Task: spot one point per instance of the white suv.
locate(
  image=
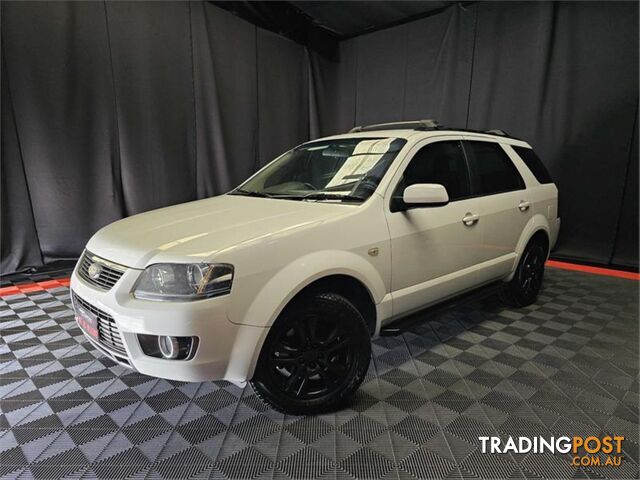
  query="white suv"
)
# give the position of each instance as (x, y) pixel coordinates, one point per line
(284, 280)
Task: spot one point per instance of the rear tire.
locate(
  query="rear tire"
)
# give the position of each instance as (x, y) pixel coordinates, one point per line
(523, 288)
(315, 356)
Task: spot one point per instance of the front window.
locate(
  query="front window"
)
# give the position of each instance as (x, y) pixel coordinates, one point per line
(440, 162)
(342, 170)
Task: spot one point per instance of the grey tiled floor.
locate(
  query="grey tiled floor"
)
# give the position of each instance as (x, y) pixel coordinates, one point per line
(566, 365)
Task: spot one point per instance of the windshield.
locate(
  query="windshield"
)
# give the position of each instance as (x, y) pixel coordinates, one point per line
(343, 170)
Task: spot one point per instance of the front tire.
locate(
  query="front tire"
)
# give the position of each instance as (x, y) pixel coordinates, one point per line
(523, 288)
(315, 356)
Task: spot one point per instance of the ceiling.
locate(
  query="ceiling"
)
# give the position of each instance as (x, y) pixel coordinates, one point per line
(321, 25)
(352, 18)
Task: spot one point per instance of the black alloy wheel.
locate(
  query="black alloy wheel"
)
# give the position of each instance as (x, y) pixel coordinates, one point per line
(532, 271)
(315, 356)
(311, 357)
(523, 289)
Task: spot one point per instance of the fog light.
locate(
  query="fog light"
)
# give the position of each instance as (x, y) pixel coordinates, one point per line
(170, 348)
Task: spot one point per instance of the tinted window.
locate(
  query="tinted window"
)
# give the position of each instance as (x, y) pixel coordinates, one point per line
(441, 162)
(493, 170)
(534, 163)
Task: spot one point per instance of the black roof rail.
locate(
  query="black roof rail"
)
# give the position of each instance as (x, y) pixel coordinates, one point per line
(428, 124)
(424, 125)
(496, 131)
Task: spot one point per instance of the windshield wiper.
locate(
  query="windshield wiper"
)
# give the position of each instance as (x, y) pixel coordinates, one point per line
(331, 196)
(250, 193)
(308, 196)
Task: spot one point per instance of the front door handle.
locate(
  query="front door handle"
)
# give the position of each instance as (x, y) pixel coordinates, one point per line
(524, 205)
(470, 219)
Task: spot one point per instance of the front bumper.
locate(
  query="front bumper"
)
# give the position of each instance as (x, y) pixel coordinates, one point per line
(226, 351)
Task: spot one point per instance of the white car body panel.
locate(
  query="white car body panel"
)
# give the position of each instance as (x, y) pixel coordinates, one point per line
(196, 231)
(431, 247)
(431, 244)
(406, 260)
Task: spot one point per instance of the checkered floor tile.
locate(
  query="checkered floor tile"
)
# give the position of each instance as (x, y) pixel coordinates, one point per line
(567, 365)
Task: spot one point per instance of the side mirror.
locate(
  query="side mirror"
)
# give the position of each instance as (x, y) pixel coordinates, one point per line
(425, 195)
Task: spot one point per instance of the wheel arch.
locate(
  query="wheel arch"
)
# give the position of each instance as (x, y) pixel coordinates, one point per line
(350, 288)
(309, 272)
(537, 227)
(306, 271)
(543, 236)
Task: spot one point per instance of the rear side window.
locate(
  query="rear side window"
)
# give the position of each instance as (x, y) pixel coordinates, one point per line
(534, 163)
(492, 169)
(440, 162)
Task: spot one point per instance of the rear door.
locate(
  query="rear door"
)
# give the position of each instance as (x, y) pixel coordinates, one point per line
(504, 206)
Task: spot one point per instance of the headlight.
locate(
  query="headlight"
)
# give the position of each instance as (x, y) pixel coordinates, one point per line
(184, 282)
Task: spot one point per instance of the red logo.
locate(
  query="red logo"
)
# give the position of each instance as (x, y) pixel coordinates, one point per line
(86, 326)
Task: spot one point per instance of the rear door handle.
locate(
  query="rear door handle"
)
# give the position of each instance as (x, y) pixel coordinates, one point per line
(524, 205)
(470, 219)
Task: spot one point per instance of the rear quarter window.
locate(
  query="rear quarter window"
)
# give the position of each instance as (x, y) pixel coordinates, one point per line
(492, 169)
(533, 162)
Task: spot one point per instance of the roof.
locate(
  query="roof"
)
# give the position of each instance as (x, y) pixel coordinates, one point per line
(415, 135)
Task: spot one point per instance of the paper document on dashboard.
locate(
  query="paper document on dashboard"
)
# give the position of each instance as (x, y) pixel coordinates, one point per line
(363, 158)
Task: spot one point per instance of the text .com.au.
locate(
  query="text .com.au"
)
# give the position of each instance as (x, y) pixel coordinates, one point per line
(586, 451)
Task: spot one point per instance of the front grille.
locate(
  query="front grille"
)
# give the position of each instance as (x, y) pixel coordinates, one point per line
(108, 333)
(109, 272)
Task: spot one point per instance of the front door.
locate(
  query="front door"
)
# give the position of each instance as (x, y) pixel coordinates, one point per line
(434, 249)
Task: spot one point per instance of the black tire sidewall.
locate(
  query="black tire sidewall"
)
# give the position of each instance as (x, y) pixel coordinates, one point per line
(326, 304)
(518, 295)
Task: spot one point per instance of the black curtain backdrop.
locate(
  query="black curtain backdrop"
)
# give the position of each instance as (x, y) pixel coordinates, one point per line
(114, 108)
(563, 76)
